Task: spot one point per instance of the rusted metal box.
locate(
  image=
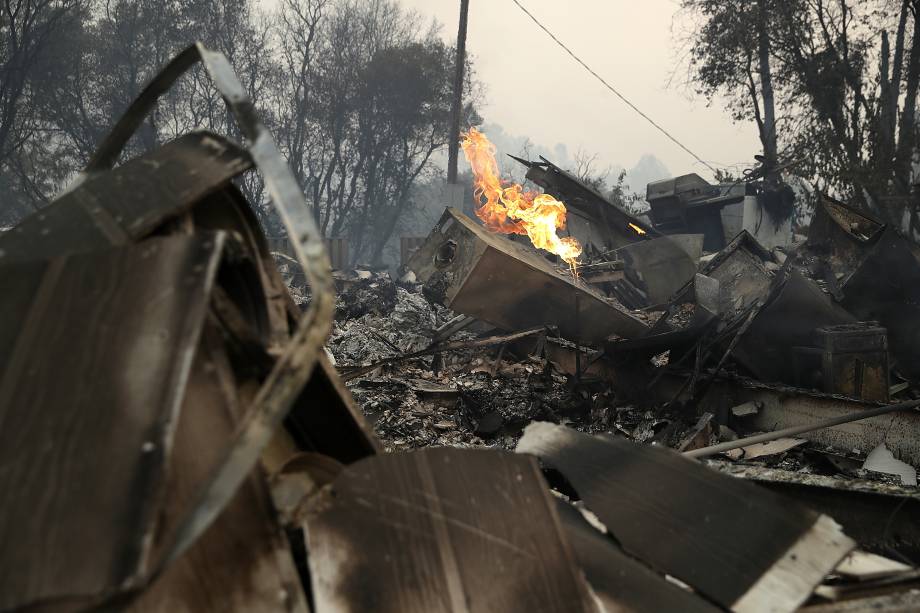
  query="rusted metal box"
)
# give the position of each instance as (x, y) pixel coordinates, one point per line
(854, 360)
(485, 275)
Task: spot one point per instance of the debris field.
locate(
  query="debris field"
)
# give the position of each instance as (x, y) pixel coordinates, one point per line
(710, 412)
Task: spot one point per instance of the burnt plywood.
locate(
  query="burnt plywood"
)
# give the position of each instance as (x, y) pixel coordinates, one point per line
(94, 362)
(442, 530)
(694, 524)
(509, 285)
(621, 582)
(117, 207)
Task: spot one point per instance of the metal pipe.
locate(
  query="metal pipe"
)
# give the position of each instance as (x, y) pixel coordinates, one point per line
(827, 423)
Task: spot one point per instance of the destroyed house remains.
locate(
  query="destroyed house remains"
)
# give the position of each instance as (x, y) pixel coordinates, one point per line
(712, 414)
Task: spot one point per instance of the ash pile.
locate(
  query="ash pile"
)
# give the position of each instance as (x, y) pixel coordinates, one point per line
(425, 376)
(188, 426)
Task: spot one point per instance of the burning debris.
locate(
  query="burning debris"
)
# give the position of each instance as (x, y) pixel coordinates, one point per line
(489, 432)
(508, 209)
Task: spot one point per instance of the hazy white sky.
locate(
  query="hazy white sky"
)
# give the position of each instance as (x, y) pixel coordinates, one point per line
(534, 89)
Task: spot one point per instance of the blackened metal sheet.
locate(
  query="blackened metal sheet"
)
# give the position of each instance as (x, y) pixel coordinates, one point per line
(739, 269)
(621, 582)
(442, 530)
(881, 517)
(730, 543)
(242, 562)
(94, 364)
(127, 203)
(886, 288)
(797, 307)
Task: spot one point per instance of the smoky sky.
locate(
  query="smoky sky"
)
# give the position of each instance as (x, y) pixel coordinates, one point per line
(532, 88)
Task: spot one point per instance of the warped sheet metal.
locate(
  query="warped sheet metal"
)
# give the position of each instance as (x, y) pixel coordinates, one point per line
(487, 276)
(789, 320)
(881, 517)
(661, 266)
(642, 492)
(448, 523)
(873, 272)
(298, 356)
(96, 349)
(243, 561)
(99, 343)
(622, 583)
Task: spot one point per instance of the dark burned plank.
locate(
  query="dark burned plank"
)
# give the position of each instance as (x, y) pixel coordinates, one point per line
(243, 561)
(621, 582)
(442, 530)
(744, 548)
(116, 207)
(92, 377)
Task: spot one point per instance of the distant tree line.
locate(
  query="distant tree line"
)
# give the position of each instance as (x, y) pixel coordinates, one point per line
(357, 93)
(831, 85)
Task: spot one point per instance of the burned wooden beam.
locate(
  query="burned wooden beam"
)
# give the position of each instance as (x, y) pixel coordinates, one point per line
(441, 530)
(642, 493)
(484, 275)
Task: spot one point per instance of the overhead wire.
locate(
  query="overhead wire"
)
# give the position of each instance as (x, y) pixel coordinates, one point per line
(612, 88)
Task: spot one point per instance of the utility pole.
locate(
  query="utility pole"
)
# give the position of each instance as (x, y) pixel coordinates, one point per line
(457, 107)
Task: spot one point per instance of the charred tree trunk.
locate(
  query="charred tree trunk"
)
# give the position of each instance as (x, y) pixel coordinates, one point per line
(907, 128)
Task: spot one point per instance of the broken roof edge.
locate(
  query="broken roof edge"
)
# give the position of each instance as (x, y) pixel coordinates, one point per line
(547, 166)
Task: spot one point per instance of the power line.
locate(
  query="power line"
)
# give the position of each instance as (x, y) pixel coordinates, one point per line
(612, 88)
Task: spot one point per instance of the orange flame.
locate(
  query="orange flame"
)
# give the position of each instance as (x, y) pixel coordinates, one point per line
(637, 228)
(505, 207)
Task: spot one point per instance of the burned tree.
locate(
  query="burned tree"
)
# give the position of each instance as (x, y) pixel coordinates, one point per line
(843, 79)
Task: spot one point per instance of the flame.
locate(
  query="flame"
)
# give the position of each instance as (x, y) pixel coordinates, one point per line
(505, 207)
(637, 228)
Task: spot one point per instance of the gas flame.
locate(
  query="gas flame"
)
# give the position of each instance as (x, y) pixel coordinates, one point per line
(505, 207)
(637, 229)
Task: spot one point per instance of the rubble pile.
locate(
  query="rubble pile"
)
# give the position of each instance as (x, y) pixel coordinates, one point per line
(464, 397)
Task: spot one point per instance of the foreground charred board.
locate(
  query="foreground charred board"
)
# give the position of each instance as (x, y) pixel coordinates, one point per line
(485, 275)
(622, 583)
(694, 524)
(442, 530)
(95, 350)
